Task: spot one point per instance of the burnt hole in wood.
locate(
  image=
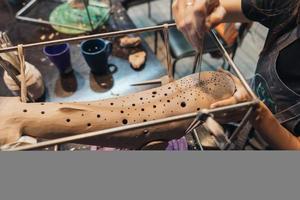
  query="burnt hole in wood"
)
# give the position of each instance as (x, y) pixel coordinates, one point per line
(98, 116)
(133, 104)
(183, 104)
(125, 121)
(154, 106)
(42, 104)
(168, 101)
(122, 111)
(153, 96)
(111, 103)
(68, 120)
(82, 115)
(141, 98)
(198, 109)
(142, 109)
(43, 112)
(24, 110)
(89, 124)
(144, 120)
(169, 88)
(154, 92)
(166, 94)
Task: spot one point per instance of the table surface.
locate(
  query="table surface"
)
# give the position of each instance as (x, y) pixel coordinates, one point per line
(82, 85)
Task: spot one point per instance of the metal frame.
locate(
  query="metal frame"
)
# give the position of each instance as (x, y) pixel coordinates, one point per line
(219, 112)
(30, 4)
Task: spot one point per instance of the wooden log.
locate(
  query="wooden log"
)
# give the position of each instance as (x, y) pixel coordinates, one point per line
(56, 120)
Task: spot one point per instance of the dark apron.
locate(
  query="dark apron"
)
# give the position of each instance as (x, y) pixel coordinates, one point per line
(281, 100)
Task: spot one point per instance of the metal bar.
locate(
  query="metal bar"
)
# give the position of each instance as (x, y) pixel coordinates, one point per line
(86, 4)
(242, 124)
(40, 21)
(28, 5)
(81, 38)
(232, 64)
(238, 131)
(14, 77)
(129, 127)
(197, 140)
(166, 42)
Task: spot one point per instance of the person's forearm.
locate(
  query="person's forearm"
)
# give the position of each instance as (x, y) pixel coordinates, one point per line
(273, 132)
(234, 11)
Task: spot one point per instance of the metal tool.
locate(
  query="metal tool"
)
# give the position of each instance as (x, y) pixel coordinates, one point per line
(205, 119)
(86, 4)
(150, 82)
(198, 121)
(160, 81)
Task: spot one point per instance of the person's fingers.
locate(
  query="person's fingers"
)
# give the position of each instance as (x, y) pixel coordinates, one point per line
(230, 101)
(191, 28)
(211, 5)
(177, 14)
(215, 17)
(198, 22)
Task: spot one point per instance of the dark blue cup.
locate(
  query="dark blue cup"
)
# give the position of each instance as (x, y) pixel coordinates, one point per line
(60, 56)
(96, 53)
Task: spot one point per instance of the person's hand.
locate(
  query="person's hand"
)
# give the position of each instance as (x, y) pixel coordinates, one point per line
(195, 17)
(240, 95)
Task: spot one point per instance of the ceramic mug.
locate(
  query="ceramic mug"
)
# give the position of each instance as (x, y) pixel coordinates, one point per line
(60, 56)
(96, 53)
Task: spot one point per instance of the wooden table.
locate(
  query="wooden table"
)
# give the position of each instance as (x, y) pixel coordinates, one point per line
(82, 85)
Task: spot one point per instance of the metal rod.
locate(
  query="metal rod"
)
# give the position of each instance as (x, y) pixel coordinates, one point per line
(14, 77)
(86, 4)
(81, 38)
(129, 127)
(40, 21)
(238, 133)
(28, 5)
(197, 140)
(166, 42)
(231, 63)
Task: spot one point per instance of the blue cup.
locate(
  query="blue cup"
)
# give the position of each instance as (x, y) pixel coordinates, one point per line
(60, 56)
(96, 53)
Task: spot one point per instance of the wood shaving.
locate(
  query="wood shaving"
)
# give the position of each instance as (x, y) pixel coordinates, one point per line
(137, 60)
(130, 41)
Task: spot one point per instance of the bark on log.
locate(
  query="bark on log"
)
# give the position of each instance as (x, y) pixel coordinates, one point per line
(56, 120)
